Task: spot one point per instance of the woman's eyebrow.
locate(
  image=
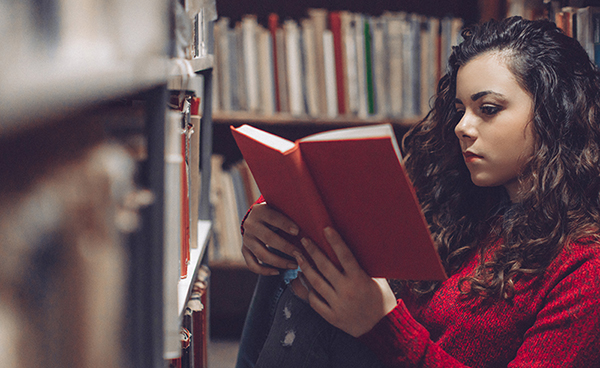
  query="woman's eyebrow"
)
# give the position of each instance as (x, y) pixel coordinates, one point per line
(478, 95)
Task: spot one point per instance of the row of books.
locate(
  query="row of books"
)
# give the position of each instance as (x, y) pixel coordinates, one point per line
(232, 192)
(582, 24)
(194, 326)
(332, 63)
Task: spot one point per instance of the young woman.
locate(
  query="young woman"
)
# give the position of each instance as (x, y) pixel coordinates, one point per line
(507, 170)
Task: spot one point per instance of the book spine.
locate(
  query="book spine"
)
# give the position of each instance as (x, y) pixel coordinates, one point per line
(249, 25)
(273, 24)
(380, 71)
(294, 71)
(265, 64)
(330, 74)
(282, 68)
(394, 47)
(319, 18)
(335, 24)
(415, 65)
(224, 60)
(369, 69)
(359, 37)
(596, 37)
(310, 67)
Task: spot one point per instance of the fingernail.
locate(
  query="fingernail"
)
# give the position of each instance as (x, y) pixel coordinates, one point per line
(292, 266)
(298, 257)
(294, 230)
(304, 242)
(274, 273)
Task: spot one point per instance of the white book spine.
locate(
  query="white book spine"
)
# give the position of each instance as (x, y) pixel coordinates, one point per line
(294, 64)
(249, 25)
(359, 36)
(414, 23)
(407, 51)
(380, 69)
(432, 80)
(224, 60)
(282, 70)
(267, 90)
(310, 64)
(330, 79)
(394, 26)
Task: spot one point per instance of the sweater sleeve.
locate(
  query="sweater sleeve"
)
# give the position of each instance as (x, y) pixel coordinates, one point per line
(563, 334)
(400, 341)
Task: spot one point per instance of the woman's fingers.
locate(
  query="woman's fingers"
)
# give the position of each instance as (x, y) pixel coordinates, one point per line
(317, 282)
(254, 265)
(325, 267)
(265, 214)
(341, 250)
(263, 255)
(264, 223)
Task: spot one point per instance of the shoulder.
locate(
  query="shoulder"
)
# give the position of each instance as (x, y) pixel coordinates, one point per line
(578, 252)
(578, 264)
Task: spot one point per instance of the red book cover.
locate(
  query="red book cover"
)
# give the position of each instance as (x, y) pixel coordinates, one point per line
(354, 180)
(335, 25)
(185, 211)
(273, 22)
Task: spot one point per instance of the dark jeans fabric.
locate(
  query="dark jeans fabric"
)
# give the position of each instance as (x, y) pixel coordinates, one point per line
(298, 337)
(260, 314)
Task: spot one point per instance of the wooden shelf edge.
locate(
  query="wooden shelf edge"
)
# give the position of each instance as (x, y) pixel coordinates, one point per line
(31, 97)
(236, 118)
(202, 63)
(184, 288)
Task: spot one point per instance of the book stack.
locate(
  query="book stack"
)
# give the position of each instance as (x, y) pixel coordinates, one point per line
(583, 24)
(232, 191)
(332, 64)
(194, 326)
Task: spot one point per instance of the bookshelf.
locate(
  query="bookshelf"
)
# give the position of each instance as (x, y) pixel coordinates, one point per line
(91, 265)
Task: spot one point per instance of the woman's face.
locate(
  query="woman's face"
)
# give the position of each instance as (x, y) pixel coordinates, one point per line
(495, 133)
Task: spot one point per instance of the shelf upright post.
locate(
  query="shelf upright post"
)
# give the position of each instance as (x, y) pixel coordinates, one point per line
(206, 131)
(145, 330)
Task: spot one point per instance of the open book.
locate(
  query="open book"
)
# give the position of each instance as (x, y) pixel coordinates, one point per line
(353, 180)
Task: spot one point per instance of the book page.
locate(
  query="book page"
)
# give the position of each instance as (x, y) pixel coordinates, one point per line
(363, 132)
(268, 139)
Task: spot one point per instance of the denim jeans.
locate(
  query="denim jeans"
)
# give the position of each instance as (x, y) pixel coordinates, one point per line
(260, 315)
(298, 337)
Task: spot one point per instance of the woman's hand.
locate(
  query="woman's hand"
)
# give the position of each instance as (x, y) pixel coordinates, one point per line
(348, 299)
(260, 234)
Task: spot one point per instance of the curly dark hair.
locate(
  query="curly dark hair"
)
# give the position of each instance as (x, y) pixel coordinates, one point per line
(560, 191)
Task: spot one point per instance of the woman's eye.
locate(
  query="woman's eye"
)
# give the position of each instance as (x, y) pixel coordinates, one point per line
(459, 111)
(489, 109)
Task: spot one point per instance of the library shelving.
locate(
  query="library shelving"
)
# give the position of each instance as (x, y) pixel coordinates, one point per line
(92, 273)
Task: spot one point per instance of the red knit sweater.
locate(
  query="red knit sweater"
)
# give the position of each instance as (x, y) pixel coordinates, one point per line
(552, 321)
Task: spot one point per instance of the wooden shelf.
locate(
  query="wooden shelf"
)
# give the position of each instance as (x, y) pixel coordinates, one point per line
(34, 93)
(202, 63)
(238, 118)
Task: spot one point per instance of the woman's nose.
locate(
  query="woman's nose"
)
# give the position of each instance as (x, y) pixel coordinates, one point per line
(465, 129)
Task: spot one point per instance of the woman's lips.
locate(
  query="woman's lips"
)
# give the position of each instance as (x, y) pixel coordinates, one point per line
(470, 156)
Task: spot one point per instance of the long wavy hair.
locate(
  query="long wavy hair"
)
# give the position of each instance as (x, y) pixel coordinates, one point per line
(560, 191)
